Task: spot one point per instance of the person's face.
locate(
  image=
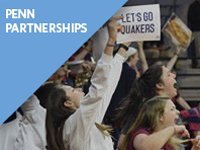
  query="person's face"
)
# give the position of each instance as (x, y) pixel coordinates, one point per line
(74, 94)
(170, 115)
(168, 83)
(134, 60)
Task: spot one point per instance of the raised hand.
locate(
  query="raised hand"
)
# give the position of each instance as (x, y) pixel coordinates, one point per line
(140, 44)
(113, 28)
(196, 143)
(181, 130)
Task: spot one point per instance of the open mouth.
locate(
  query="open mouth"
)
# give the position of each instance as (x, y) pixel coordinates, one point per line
(175, 86)
(176, 121)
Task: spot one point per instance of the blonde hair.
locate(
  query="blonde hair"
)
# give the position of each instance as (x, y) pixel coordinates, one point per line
(148, 118)
(104, 129)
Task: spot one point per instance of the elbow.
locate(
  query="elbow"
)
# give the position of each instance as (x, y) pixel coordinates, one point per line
(150, 146)
(146, 147)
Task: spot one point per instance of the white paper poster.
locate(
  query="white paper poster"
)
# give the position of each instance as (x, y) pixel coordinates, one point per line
(139, 23)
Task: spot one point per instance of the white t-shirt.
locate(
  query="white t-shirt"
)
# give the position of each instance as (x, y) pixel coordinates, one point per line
(80, 130)
(26, 132)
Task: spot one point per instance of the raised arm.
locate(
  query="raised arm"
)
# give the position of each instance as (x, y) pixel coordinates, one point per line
(142, 56)
(113, 28)
(173, 60)
(85, 51)
(116, 67)
(183, 103)
(94, 104)
(158, 139)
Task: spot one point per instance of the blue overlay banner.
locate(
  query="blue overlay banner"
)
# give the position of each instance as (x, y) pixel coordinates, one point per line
(37, 37)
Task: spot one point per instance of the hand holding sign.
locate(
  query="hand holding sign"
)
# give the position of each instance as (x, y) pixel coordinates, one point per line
(113, 28)
(178, 32)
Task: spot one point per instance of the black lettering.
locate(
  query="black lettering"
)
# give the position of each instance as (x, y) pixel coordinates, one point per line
(150, 16)
(123, 18)
(142, 28)
(147, 28)
(123, 30)
(133, 17)
(128, 18)
(137, 28)
(145, 16)
(152, 28)
(133, 29)
(139, 18)
(128, 29)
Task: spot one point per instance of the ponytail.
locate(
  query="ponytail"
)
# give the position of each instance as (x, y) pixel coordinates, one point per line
(130, 104)
(56, 116)
(143, 88)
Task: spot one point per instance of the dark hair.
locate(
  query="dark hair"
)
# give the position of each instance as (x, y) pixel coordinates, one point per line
(143, 88)
(56, 116)
(43, 92)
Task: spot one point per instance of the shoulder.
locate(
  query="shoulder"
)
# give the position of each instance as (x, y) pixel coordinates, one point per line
(127, 69)
(139, 136)
(140, 131)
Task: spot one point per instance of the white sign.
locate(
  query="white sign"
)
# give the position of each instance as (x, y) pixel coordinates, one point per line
(139, 23)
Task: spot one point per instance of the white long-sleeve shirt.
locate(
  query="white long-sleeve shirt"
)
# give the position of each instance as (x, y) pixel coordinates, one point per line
(79, 129)
(26, 132)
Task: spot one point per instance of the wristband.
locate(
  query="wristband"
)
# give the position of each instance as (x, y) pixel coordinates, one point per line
(110, 45)
(123, 46)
